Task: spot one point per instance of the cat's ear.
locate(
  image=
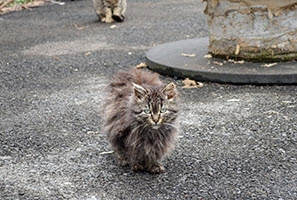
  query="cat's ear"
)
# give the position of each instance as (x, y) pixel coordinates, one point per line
(170, 91)
(139, 92)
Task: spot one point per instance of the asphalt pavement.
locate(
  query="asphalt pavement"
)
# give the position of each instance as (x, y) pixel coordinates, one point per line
(236, 141)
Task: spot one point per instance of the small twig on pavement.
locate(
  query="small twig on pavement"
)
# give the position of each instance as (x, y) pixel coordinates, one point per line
(188, 55)
(233, 100)
(106, 152)
(79, 27)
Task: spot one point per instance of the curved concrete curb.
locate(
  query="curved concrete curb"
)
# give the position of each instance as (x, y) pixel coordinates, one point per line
(186, 59)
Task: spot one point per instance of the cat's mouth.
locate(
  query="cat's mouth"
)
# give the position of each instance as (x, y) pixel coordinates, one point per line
(155, 126)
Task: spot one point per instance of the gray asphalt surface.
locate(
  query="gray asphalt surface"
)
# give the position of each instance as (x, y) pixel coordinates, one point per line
(237, 142)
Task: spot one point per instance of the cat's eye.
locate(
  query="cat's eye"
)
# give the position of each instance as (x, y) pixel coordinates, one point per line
(163, 110)
(147, 110)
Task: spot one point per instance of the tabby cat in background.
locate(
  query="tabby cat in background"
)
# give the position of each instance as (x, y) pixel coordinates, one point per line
(110, 10)
(140, 119)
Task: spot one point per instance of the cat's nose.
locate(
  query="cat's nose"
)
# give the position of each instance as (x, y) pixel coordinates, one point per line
(155, 118)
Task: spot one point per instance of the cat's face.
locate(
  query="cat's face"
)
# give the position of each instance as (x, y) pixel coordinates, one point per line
(155, 106)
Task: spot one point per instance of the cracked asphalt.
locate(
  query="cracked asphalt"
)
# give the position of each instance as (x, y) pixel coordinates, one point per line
(236, 142)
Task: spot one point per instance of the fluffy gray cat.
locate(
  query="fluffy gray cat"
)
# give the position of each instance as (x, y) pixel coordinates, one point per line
(110, 10)
(140, 119)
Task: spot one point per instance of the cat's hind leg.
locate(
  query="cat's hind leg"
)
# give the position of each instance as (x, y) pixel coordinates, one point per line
(122, 160)
(156, 168)
(117, 14)
(108, 15)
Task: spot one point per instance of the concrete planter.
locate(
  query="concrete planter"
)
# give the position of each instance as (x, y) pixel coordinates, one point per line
(260, 30)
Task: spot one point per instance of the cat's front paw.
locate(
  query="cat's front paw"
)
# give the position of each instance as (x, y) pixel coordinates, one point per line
(123, 162)
(157, 169)
(103, 20)
(137, 167)
(107, 20)
(118, 18)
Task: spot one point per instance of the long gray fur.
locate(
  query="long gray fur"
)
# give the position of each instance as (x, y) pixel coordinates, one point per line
(141, 119)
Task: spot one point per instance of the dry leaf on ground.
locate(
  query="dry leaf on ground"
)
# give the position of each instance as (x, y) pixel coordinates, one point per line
(5, 8)
(56, 2)
(5, 3)
(34, 3)
(11, 9)
(188, 83)
(207, 56)
(141, 65)
(188, 55)
(269, 65)
(236, 62)
(218, 63)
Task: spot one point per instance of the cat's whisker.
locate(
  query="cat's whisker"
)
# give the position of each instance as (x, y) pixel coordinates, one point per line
(172, 125)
